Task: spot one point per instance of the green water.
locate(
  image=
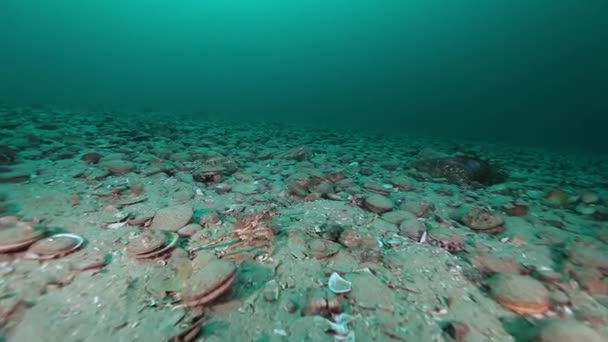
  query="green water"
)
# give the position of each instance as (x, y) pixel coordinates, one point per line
(531, 72)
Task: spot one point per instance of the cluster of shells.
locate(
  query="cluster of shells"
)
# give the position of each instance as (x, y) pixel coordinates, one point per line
(208, 279)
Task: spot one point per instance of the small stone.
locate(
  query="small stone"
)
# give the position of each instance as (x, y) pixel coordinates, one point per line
(457, 330)
(271, 291)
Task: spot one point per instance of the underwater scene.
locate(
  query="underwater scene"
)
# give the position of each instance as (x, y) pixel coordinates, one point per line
(314, 170)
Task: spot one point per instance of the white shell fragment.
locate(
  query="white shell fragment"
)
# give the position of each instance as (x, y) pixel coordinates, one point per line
(338, 284)
(79, 239)
(340, 328)
(116, 225)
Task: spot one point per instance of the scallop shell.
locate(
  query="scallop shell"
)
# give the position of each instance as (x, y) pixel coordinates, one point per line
(171, 241)
(43, 249)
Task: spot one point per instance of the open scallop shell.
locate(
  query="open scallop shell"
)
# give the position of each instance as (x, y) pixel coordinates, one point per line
(79, 241)
(172, 240)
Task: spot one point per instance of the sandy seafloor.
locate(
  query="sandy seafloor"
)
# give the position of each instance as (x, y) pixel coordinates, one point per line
(341, 202)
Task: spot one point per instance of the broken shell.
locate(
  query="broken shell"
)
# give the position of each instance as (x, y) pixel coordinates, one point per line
(338, 284)
(116, 225)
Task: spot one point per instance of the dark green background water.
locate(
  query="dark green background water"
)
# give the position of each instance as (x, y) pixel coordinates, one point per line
(522, 71)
